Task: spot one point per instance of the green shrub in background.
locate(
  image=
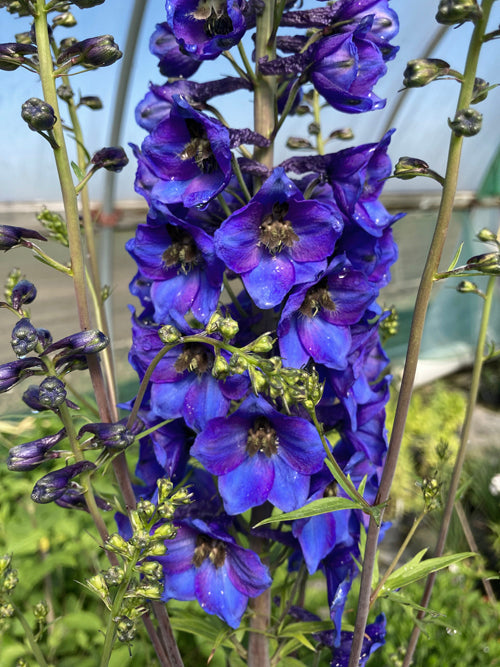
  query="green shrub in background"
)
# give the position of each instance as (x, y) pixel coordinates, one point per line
(434, 420)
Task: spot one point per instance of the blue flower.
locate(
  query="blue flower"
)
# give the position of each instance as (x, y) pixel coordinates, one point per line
(205, 28)
(260, 454)
(316, 320)
(373, 639)
(204, 563)
(188, 157)
(173, 62)
(278, 240)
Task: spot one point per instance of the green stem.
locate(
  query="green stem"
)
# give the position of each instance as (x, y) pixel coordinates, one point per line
(320, 144)
(417, 326)
(39, 657)
(109, 639)
(83, 183)
(248, 67)
(46, 259)
(459, 462)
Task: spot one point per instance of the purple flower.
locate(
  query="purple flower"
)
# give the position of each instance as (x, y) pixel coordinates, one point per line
(316, 319)
(10, 236)
(278, 240)
(173, 62)
(204, 563)
(260, 454)
(22, 293)
(55, 484)
(188, 155)
(29, 455)
(15, 371)
(82, 342)
(114, 436)
(179, 262)
(373, 639)
(205, 28)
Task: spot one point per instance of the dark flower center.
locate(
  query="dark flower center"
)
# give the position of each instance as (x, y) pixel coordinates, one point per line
(183, 252)
(331, 490)
(208, 547)
(317, 298)
(199, 148)
(276, 231)
(214, 14)
(194, 358)
(262, 438)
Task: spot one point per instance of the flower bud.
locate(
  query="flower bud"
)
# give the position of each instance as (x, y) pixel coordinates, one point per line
(66, 20)
(298, 142)
(15, 371)
(487, 263)
(52, 392)
(228, 327)
(38, 114)
(155, 549)
(113, 576)
(5, 562)
(220, 369)
(146, 510)
(29, 455)
(93, 52)
(237, 364)
(40, 611)
(213, 323)
(169, 335)
(458, 11)
(91, 101)
(125, 629)
(410, 167)
(114, 436)
(85, 4)
(22, 294)
(487, 236)
(67, 42)
(467, 287)
(10, 236)
(259, 382)
(344, 134)
(262, 345)
(165, 487)
(24, 337)
(467, 122)
(111, 158)
(165, 531)
(6, 611)
(12, 55)
(74, 499)
(480, 90)
(54, 485)
(98, 584)
(151, 569)
(151, 591)
(10, 580)
(64, 93)
(83, 342)
(118, 545)
(422, 71)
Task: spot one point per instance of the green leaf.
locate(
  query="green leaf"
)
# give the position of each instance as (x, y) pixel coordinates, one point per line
(305, 627)
(399, 598)
(315, 508)
(454, 261)
(415, 570)
(79, 173)
(199, 628)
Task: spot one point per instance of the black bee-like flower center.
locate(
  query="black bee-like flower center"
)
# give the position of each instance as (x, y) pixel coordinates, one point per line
(183, 252)
(215, 17)
(194, 358)
(276, 231)
(198, 148)
(262, 438)
(317, 298)
(208, 547)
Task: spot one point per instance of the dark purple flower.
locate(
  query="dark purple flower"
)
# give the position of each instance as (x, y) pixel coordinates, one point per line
(260, 454)
(278, 240)
(205, 28)
(12, 55)
(38, 114)
(22, 294)
(10, 236)
(112, 158)
(316, 320)
(173, 61)
(83, 342)
(15, 371)
(373, 639)
(32, 399)
(179, 262)
(204, 563)
(73, 499)
(29, 455)
(99, 51)
(55, 484)
(114, 436)
(188, 157)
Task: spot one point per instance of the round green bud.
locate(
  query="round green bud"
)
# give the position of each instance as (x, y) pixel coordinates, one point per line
(169, 334)
(451, 12)
(467, 122)
(262, 345)
(487, 236)
(228, 327)
(422, 71)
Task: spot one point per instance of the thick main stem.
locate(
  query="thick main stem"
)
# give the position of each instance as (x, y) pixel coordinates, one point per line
(417, 327)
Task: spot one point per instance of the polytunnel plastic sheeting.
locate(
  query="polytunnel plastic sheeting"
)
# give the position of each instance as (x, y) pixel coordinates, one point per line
(491, 184)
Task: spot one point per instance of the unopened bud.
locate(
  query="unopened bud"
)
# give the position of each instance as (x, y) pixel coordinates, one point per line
(169, 335)
(344, 134)
(10, 580)
(237, 364)
(146, 510)
(487, 236)
(165, 531)
(480, 90)
(91, 101)
(150, 591)
(6, 610)
(41, 610)
(451, 12)
(38, 114)
(155, 549)
(467, 287)
(24, 337)
(85, 4)
(165, 487)
(422, 71)
(228, 327)
(213, 323)
(64, 93)
(66, 20)
(487, 263)
(118, 545)
(467, 122)
(12, 54)
(93, 52)
(114, 576)
(125, 629)
(111, 158)
(98, 584)
(263, 344)
(151, 569)
(52, 392)
(10, 236)
(410, 167)
(298, 142)
(220, 369)
(22, 294)
(54, 485)
(259, 382)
